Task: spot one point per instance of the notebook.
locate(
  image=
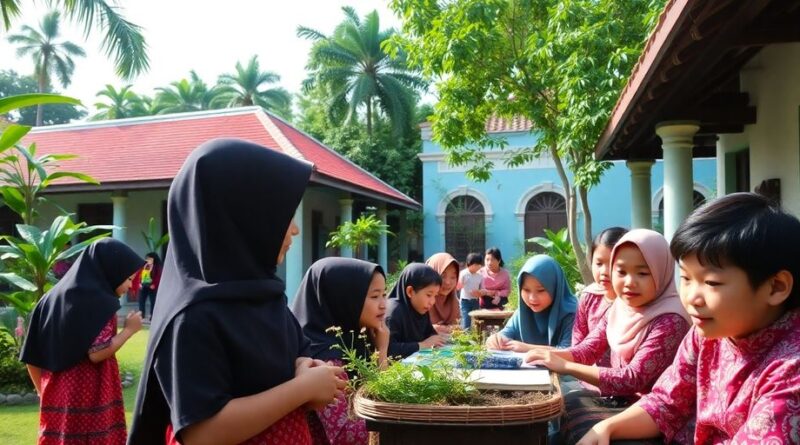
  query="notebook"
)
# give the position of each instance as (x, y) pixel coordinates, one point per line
(526, 379)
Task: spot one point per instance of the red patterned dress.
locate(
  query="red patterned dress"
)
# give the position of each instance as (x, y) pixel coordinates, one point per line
(83, 404)
(291, 429)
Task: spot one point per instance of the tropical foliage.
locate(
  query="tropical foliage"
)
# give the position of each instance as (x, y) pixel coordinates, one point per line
(558, 246)
(365, 231)
(12, 84)
(122, 103)
(153, 237)
(246, 87)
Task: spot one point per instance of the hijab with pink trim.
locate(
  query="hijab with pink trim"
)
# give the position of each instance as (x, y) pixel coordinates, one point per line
(445, 310)
(627, 326)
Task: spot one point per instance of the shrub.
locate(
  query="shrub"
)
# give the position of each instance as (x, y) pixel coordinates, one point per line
(13, 373)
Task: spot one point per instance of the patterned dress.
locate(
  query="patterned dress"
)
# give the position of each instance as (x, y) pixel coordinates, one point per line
(337, 424)
(291, 429)
(742, 392)
(83, 404)
(592, 308)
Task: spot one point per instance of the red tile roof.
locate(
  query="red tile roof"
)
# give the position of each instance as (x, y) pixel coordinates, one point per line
(495, 124)
(152, 149)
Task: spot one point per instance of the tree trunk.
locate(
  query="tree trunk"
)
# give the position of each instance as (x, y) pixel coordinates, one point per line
(586, 270)
(572, 218)
(369, 117)
(42, 87)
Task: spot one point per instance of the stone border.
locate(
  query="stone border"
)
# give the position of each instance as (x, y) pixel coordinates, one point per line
(32, 398)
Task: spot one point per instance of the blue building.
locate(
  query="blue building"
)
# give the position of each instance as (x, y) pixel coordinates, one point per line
(462, 216)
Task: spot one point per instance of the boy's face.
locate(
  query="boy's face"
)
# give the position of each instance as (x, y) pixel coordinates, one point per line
(473, 268)
(722, 303)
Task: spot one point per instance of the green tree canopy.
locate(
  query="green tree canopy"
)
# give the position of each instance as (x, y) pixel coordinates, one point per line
(560, 63)
(245, 87)
(122, 103)
(186, 95)
(12, 84)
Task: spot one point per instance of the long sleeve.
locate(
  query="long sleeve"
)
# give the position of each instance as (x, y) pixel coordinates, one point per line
(775, 414)
(651, 358)
(511, 329)
(593, 346)
(580, 328)
(564, 334)
(399, 344)
(674, 396)
(504, 287)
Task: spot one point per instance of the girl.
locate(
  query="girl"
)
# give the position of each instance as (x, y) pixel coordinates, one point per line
(70, 347)
(408, 318)
(496, 281)
(146, 282)
(737, 372)
(349, 294)
(445, 312)
(227, 362)
(548, 312)
(598, 296)
(643, 329)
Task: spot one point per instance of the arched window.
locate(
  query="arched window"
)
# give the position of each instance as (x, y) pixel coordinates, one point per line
(545, 210)
(465, 227)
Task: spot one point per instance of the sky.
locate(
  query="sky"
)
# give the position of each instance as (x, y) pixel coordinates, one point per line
(183, 35)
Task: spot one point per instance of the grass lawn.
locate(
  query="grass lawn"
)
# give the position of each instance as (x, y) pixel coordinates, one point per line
(20, 424)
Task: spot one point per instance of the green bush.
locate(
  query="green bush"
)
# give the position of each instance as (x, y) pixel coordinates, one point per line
(13, 373)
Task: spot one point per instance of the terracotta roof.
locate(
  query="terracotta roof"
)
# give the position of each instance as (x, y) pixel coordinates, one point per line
(495, 124)
(150, 150)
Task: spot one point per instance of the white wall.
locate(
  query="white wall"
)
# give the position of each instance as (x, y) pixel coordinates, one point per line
(772, 78)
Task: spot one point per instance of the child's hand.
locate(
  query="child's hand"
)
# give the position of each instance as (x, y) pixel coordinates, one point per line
(380, 337)
(477, 293)
(322, 382)
(516, 346)
(496, 300)
(598, 435)
(307, 362)
(547, 358)
(443, 329)
(133, 322)
(496, 341)
(434, 341)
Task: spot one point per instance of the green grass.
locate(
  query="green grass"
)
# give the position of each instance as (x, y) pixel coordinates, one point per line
(20, 424)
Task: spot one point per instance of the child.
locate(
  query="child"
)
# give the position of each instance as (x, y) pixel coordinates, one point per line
(408, 318)
(737, 372)
(70, 347)
(598, 296)
(349, 294)
(470, 282)
(146, 282)
(548, 311)
(643, 329)
(445, 311)
(227, 362)
(496, 281)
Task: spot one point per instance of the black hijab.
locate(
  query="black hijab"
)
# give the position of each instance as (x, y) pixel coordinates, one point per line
(69, 317)
(407, 326)
(229, 208)
(332, 294)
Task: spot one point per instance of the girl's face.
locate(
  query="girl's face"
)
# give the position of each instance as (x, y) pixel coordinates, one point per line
(491, 262)
(449, 280)
(422, 300)
(293, 230)
(374, 304)
(534, 294)
(601, 269)
(122, 289)
(149, 260)
(632, 279)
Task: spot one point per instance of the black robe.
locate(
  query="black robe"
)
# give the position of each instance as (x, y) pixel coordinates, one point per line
(408, 327)
(332, 294)
(71, 315)
(221, 329)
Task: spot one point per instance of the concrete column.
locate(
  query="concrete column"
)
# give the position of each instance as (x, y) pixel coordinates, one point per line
(402, 236)
(677, 143)
(294, 257)
(641, 213)
(119, 198)
(383, 245)
(346, 212)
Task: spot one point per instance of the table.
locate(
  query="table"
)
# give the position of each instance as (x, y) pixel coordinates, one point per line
(485, 319)
(402, 433)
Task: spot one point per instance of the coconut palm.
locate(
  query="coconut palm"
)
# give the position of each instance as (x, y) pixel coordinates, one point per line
(122, 103)
(185, 95)
(123, 41)
(50, 56)
(356, 72)
(245, 88)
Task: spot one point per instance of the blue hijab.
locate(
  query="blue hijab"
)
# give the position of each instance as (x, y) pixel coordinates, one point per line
(553, 324)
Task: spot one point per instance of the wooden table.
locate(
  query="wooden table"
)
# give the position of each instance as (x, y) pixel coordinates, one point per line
(484, 319)
(403, 433)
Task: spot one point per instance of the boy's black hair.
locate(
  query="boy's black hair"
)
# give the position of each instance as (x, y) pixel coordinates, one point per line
(608, 238)
(745, 230)
(427, 278)
(474, 258)
(495, 252)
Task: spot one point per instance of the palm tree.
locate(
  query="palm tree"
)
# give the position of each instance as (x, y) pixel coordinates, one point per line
(123, 103)
(244, 88)
(123, 41)
(49, 55)
(185, 95)
(353, 68)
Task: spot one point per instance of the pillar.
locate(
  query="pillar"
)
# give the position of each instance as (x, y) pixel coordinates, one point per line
(294, 257)
(677, 140)
(119, 198)
(383, 246)
(346, 212)
(641, 213)
(402, 236)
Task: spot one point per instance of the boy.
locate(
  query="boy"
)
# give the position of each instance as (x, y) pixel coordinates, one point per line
(736, 375)
(469, 283)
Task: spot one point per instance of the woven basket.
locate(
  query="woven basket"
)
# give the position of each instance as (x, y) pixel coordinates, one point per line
(461, 414)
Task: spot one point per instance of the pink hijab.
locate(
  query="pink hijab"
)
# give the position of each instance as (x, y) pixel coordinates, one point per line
(627, 326)
(445, 310)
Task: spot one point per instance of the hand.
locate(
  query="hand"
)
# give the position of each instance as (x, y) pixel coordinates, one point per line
(153, 286)
(434, 341)
(598, 435)
(380, 337)
(477, 293)
(496, 301)
(442, 328)
(516, 346)
(133, 322)
(322, 383)
(547, 358)
(496, 341)
(307, 362)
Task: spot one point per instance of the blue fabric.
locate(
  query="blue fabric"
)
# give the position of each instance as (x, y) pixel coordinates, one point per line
(553, 326)
(467, 306)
